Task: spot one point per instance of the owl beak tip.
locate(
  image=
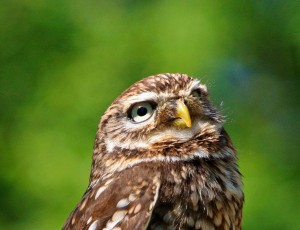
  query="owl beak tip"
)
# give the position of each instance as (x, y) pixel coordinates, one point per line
(183, 115)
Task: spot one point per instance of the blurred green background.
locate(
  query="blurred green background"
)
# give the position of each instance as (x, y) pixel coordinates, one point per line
(63, 62)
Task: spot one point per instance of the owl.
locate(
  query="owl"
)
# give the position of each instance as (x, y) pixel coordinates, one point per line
(162, 160)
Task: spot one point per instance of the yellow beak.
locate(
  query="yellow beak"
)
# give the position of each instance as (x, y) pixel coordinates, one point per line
(183, 119)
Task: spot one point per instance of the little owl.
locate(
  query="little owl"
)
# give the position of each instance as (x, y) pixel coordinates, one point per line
(162, 160)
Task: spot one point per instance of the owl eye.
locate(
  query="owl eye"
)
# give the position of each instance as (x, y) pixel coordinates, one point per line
(196, 93)
(141, 111)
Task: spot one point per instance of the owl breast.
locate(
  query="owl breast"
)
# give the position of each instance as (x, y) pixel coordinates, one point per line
(199, 194)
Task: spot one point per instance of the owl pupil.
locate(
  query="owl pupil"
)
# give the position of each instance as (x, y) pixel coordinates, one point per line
(142, 111)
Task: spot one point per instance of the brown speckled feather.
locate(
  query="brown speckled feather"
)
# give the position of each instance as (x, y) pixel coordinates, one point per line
(162, 160)
(112, 203)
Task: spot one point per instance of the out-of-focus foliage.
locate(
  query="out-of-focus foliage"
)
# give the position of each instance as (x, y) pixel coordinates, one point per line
(63, 62)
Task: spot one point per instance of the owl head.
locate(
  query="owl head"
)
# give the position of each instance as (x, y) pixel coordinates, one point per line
(164, 108)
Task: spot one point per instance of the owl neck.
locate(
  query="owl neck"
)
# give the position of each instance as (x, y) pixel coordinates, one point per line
(209, 145)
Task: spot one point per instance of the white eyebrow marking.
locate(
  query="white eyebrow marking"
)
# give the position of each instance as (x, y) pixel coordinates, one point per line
(195, 84)
(151, 96)
(145, 96)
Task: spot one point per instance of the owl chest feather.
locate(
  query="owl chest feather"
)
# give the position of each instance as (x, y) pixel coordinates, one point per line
(198, 195)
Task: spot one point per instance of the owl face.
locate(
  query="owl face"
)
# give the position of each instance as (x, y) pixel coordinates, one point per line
(164, 108)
